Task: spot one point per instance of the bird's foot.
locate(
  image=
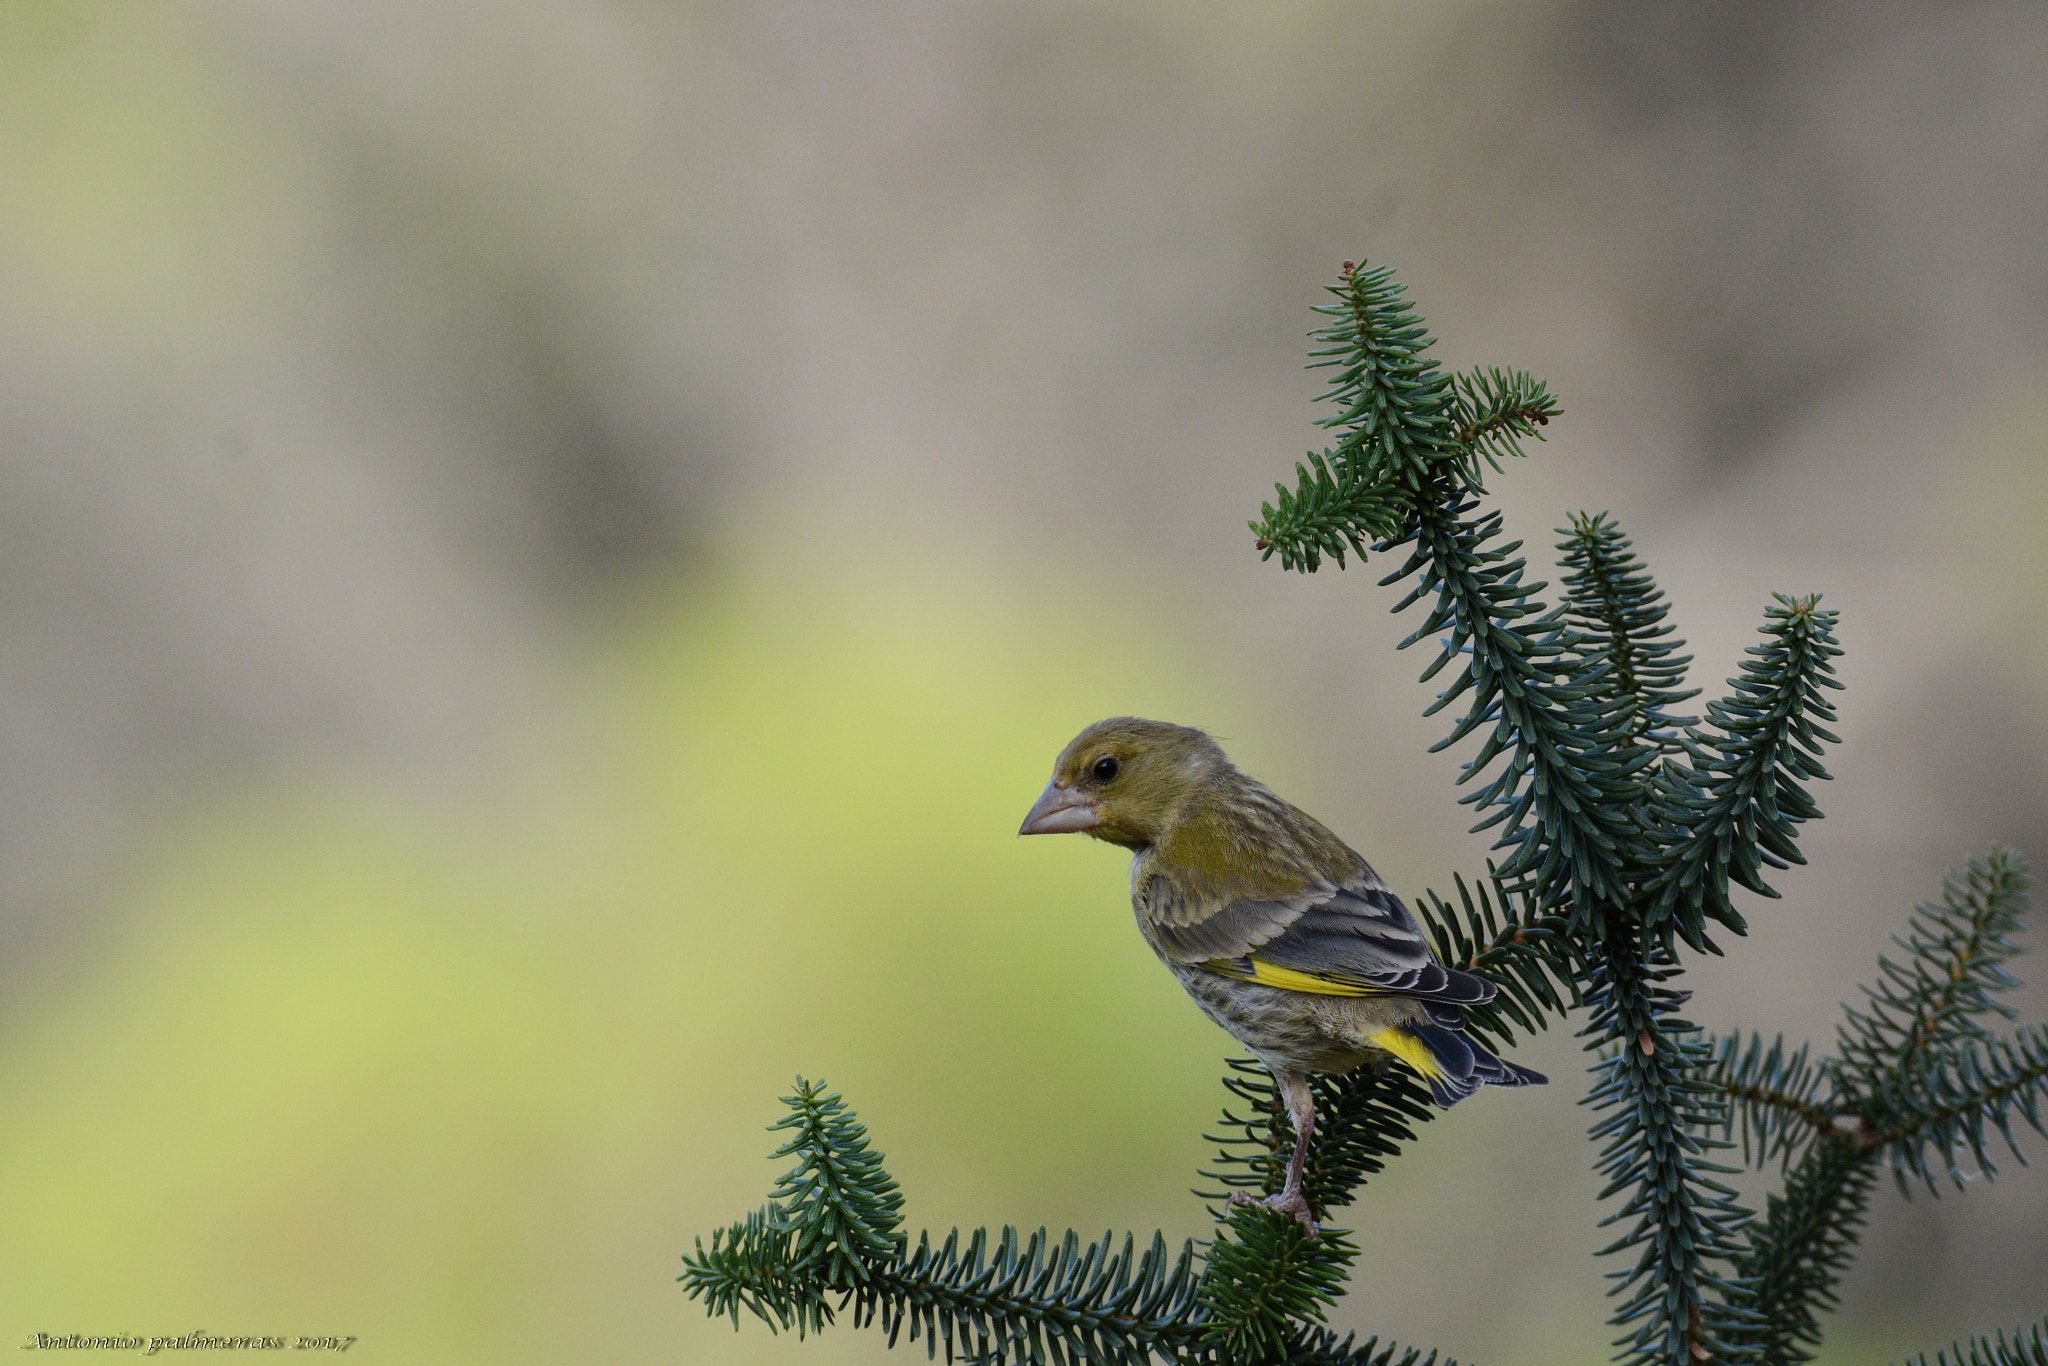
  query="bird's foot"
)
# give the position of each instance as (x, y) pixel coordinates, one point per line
(1288, 1202)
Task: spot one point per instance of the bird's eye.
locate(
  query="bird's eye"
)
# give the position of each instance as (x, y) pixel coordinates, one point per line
(1105, 768)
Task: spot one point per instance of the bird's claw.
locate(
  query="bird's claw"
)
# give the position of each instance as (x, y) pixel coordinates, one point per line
(1292, 1203)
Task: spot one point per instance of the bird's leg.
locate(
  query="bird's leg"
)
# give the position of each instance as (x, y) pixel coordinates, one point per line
(1301, 1108)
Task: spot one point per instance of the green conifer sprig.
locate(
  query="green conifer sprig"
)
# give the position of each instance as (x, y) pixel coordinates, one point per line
(1264, 1285)
(1618, 612)
(1037, 1302)
(1408, 432)
(752, 1264)
(1945, 1102)
(1785, 1276)
(1918, 1010)
(1326, 514)
(1918, 1078)
(1004, 1300)
(844, 1211)
(1496, 409)
(1740, 798)
(1581, 706)
(1956, 952)
(1537, 705)
(2028, 1346)
(1396, 407)
(1321, 1347)
(1778, 1100)
(1657, 1117)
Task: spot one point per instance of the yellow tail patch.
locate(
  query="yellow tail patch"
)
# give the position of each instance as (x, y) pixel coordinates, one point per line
(1288, 979)
(1408, 1049)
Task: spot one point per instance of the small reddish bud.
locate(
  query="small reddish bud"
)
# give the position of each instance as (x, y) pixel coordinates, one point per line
(1258, 545)
(1646, 1043)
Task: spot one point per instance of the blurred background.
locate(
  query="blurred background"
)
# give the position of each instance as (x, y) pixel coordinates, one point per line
(547, 548)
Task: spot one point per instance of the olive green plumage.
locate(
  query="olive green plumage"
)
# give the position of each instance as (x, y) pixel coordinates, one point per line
(1280, 932)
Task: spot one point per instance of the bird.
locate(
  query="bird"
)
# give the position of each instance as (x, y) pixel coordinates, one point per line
(1280, 931)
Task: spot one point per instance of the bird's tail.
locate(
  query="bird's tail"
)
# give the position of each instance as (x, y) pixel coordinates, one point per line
(1452, 1064)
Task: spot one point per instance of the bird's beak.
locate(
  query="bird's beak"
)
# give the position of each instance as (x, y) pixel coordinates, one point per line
(1061, 811)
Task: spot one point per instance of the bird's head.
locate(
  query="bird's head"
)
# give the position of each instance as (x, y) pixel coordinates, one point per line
(1124, 780)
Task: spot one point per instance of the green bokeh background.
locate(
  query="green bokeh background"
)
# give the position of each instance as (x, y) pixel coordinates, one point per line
(459, 1082)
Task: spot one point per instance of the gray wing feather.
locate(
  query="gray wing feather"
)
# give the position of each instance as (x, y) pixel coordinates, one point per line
(1361, 931)
(1358, 931)
(1185, 933)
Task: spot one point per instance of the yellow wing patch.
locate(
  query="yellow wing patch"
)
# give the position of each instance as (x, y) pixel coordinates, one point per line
(1408, 1049)
(1288, 979)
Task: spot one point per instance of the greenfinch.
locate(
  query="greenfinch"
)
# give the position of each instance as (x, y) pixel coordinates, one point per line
(1278, 929)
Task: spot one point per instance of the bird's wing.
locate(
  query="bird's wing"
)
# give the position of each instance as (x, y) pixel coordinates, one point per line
(1193, 929)
(1356, 939)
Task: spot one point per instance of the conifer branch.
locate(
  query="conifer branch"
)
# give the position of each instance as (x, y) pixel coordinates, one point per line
(1495, 409)
(1950, 1099)
(1560, 738)
(1407, 432)
(1739, 800)
(2028, 1346)
(842, 1208)
(1272, 1278)
(1918, 1077)
(1397, 408)
(752, 1264)
(1618, 611)
(1325, 514)
(1956, 956)
(999, 1301)
(1012, 1303)
(1657, 1117)
(1321, 1347)
(1776, 1099)
(1796, 1254)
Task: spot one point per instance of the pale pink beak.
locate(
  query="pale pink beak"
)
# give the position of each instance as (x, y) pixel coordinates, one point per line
(1061, 811)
